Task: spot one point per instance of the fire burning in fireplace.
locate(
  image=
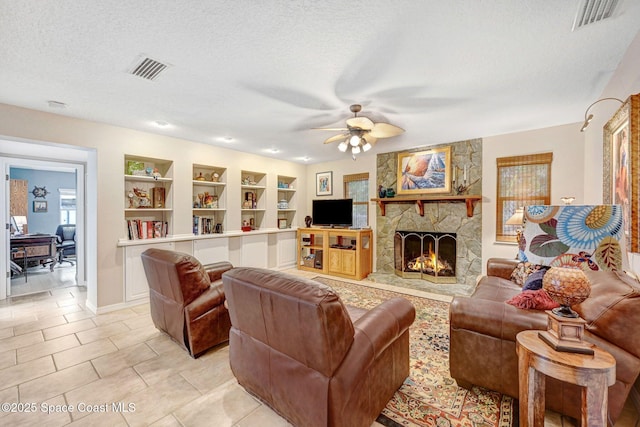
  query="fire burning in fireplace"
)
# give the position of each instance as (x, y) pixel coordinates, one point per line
(425, 255)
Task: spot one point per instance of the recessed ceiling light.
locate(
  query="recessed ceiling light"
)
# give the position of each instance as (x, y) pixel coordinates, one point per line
(226, 139)
(161, 123)
(305, 158)
(273, 150)
(56, 104)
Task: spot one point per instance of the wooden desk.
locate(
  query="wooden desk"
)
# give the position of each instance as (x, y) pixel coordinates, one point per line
(595, 373)
(37, 247)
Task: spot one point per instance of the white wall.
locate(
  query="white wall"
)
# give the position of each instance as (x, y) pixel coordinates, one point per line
(364, 163)
(567, 145)
(110, 144)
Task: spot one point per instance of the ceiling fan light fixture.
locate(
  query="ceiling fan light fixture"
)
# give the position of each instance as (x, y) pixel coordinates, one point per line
(366, 147)
(343, 146)
(355, 150)
(354, 140)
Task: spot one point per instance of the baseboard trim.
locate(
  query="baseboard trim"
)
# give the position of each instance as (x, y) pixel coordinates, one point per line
(115, 307)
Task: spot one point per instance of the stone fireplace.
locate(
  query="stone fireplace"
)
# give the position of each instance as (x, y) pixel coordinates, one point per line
(425, 255)
(443, 218)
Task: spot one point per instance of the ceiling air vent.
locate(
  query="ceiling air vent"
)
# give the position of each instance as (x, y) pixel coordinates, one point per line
(147, 68)
(591, 11)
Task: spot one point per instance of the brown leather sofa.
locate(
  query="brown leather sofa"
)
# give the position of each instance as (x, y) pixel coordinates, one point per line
(294, 346)
(186, 299)
(483, 328)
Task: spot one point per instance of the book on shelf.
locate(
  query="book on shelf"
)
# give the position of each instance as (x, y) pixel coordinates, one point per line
(204, 225)
(138, 229)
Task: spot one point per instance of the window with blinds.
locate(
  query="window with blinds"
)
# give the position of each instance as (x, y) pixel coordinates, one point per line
(522, 181)
(356, 187)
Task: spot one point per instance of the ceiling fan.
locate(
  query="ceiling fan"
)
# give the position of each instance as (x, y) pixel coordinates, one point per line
(361, 132)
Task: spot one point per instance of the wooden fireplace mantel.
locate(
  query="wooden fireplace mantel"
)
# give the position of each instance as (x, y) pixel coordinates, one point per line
(420, 199)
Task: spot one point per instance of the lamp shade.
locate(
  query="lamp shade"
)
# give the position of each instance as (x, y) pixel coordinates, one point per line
(567, 286)
(517, 218)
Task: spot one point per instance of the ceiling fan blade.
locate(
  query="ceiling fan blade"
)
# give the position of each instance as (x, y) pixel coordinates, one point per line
(334, 138)
(370, 139)
(385, 130)
(363, 123)
(332, 129)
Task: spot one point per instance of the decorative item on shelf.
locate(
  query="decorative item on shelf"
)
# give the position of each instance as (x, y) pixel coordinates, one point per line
(250, 200)
(196, 202)
(382, 192)
(283, 204)
(135, 167)
(567, 200)
(218, 228)
(460, 187)
(131, 197)
(156, 174)
(245, 225)
(390, 192)
(142, 198)
(307, 221)
(245, 181)
(148, 171)
(201, 199)
(567, 286)
(215, 177)
(200, 177)
(210, 201)
(158, 195)
(282, 223)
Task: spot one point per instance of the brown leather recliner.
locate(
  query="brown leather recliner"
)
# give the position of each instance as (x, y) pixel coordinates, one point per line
(294, 346)
(484, 328)
(187, 299)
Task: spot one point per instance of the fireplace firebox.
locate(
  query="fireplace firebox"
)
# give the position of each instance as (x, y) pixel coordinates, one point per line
(425, 255)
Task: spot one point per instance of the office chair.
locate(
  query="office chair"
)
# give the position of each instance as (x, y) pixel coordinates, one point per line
(66, 242)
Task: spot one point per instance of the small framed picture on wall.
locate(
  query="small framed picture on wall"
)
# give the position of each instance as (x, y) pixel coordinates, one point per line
(324, 183)
(39, 206)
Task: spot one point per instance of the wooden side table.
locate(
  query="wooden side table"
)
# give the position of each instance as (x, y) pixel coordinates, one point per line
(593, 372)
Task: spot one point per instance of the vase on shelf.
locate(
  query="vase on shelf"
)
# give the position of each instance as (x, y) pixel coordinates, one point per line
(382, 192)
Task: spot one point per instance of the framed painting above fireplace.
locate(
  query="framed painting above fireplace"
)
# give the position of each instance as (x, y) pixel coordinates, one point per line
(427, 171)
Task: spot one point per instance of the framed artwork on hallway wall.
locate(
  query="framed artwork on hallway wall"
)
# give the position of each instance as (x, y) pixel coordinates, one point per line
(621, 166)
(426, 171)
(39, 206)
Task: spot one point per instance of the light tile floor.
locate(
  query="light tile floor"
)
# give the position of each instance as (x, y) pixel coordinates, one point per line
(61, 365)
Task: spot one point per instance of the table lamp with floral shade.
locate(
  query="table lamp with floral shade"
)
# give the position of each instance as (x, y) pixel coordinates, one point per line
(567, 286)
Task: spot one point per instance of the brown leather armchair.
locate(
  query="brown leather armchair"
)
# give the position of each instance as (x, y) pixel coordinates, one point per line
(294, 345)
(186, 299)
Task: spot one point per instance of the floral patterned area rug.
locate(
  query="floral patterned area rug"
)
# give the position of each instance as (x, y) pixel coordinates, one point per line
(430, 397)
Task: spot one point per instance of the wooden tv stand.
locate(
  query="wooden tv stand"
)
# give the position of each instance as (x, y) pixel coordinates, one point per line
(339, 252)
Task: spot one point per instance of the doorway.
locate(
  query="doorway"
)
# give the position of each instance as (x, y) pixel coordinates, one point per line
(46, 233)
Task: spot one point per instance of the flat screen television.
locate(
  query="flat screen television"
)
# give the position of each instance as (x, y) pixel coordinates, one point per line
(332, 212)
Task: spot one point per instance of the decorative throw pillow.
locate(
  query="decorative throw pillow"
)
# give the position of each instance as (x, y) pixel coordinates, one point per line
(520, 273)
(534, 280)
(533, 300)
(523, 270)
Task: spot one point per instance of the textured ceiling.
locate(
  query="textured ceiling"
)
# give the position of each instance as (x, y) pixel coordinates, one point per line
(265, 72)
